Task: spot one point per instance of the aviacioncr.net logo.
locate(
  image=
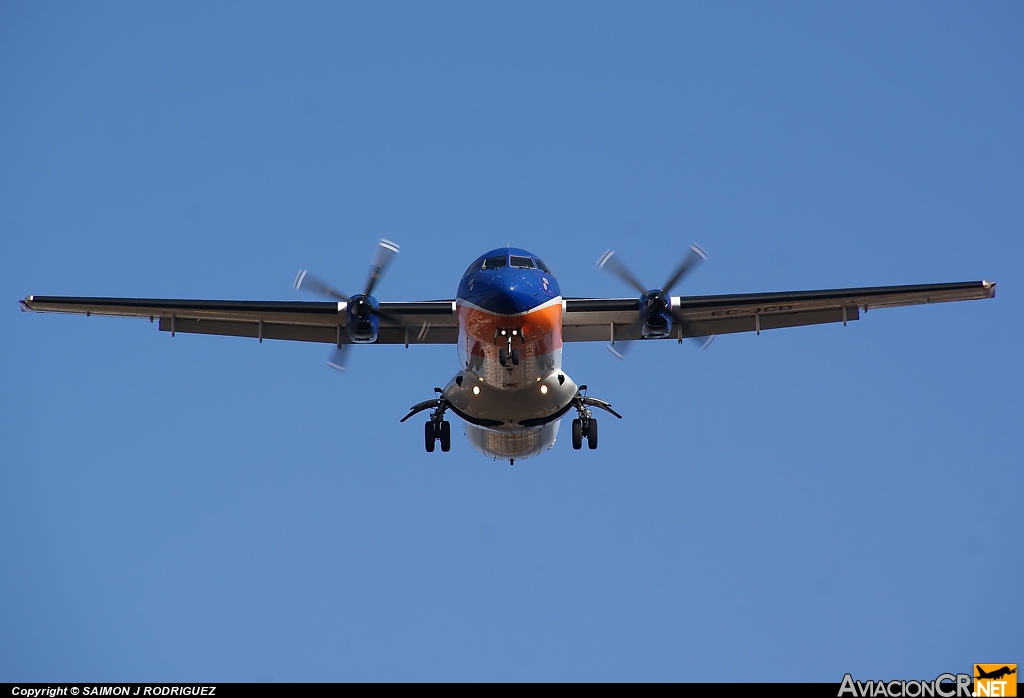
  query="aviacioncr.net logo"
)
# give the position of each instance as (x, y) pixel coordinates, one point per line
(995, 680)
(943, 686)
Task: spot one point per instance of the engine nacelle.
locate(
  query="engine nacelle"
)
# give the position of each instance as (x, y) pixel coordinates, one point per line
(654, 305)
(361, 321)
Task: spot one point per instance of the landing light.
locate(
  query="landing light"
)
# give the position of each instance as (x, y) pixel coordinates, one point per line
(543, 390)
(476, 389)
(503, 333)
(514, 333)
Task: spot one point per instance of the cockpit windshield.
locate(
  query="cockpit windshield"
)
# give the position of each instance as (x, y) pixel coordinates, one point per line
(516, 261)
(520, 262)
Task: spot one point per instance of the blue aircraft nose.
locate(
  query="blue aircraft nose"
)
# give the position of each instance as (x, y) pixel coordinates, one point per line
(509, 292)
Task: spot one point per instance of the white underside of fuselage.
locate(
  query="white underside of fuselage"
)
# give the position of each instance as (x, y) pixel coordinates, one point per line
(513, 444)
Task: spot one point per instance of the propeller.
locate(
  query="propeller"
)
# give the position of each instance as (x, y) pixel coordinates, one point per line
(362, 306)
(657, 301)
(338, 357)
(381, 256)
(307, 282)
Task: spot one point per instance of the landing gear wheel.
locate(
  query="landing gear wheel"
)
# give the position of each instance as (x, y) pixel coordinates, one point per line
(577, 434)
(446, 437)
(515, 357)
(503, 357)
(592, 434)
(429, 436)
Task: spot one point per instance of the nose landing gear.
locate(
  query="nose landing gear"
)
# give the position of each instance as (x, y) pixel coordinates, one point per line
(504, 355)
(508, 352)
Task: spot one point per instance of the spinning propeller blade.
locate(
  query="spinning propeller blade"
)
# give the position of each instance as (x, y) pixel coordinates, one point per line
(385, 251)
(656, 299)
(619, 349)
(338, 358)
(609, 262)
(695, 256)
(699, 334)
(308, 282)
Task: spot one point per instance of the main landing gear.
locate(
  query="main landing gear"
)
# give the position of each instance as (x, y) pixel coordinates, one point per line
(437, 429)
(585, 425)
(587, 429)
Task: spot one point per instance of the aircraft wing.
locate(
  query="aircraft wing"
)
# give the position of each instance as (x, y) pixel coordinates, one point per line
(599, 319)
(584, 319)
(425, 322)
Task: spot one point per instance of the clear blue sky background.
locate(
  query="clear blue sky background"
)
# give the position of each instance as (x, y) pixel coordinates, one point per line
(792, 506)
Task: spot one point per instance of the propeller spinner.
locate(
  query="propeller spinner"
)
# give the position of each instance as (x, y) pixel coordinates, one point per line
(362, 310)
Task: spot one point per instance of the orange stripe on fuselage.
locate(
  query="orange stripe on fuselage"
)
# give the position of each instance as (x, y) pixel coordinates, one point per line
(541, 328)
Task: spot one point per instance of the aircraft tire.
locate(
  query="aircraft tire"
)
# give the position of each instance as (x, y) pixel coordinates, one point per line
(446, 437)
(592, 434)
(577, 434)
(429, 436)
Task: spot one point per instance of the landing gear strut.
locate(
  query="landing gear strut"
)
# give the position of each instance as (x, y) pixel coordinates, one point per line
(437, 429)
(505, 355)
(509, 353)
(585, 425)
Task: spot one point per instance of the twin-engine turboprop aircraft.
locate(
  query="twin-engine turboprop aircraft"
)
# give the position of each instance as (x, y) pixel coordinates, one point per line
(509, 320)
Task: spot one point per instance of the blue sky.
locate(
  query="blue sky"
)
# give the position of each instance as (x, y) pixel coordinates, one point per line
(789, 506)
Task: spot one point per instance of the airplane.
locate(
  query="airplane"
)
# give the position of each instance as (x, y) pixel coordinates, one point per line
(509, 321)
(995, 674)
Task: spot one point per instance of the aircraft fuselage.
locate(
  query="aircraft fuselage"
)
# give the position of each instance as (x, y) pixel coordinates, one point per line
(511, 391)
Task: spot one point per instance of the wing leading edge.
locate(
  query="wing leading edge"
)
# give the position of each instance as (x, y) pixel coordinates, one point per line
(601, 319)
(425, 322)
(584, 319)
